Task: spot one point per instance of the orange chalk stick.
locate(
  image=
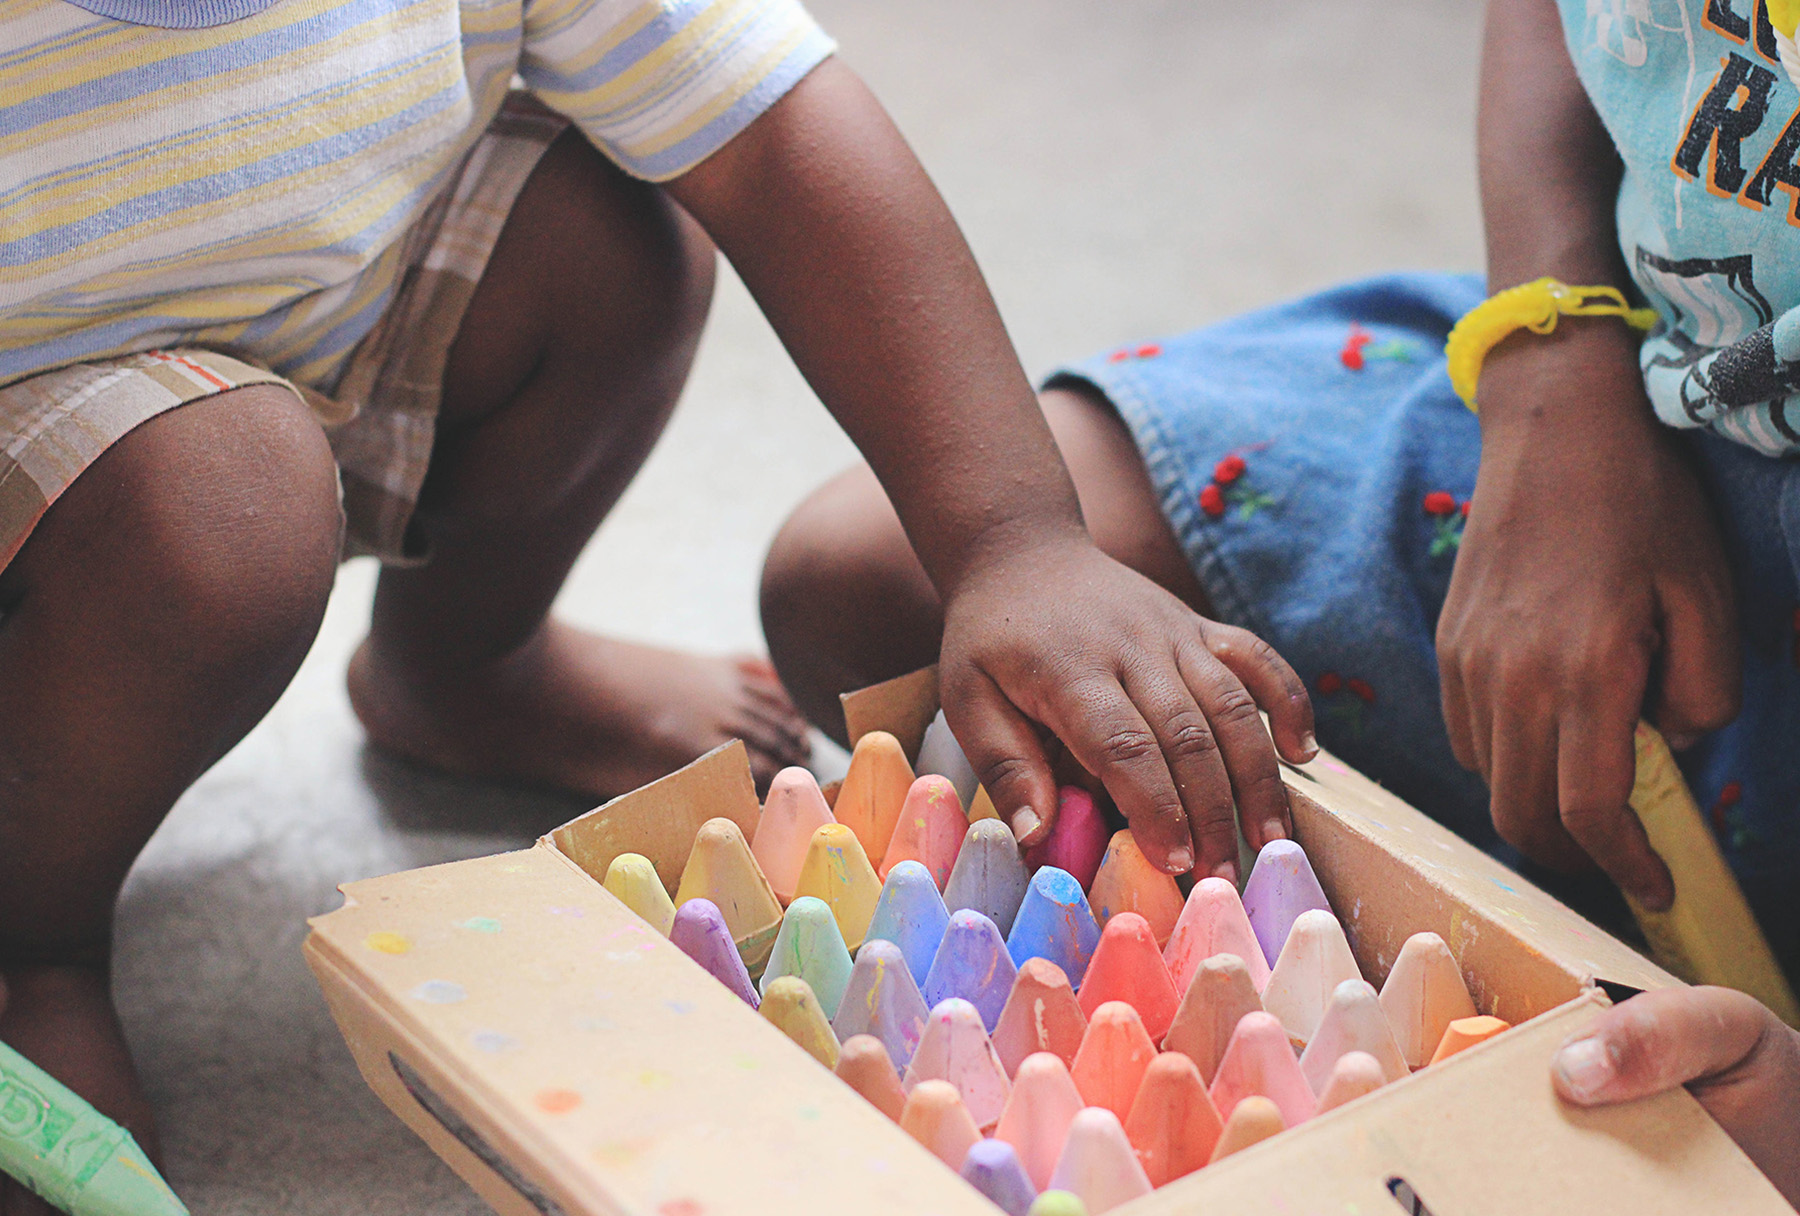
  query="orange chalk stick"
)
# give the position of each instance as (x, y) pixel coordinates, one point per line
(1356, 1073)
(1464, 1033)
(1038, 1113)
(837, 871)
(1259, 1060)
(1041, 1014)
(795, 809)
(935, 1116)
(1423, 994)
(865, 1066)
(1315, 959)
(1213, 922)
(1172, 1125)
(1128, 966)
(930, 829)
(1218, 996)
(1127, 882)
(1255, 1120)
(720, 868)
(873, 791)
(1113, 1056)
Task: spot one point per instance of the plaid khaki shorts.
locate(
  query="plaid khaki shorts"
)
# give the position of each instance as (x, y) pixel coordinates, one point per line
(381, 417)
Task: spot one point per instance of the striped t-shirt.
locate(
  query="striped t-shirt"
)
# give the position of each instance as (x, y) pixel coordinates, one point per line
(240, 172)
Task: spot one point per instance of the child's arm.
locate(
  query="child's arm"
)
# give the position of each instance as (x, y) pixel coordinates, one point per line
(1591, 560)
(1733, 1055)
(852, 255)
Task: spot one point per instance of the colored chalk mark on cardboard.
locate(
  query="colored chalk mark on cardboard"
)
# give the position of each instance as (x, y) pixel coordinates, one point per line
(388, 943)
(556, 1101)
(440, 992)
(480, 924)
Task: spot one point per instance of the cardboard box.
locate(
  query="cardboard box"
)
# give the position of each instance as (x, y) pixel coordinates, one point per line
(564, 1058)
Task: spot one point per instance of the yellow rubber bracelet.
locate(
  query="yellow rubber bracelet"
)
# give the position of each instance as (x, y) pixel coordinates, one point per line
(1534, 306)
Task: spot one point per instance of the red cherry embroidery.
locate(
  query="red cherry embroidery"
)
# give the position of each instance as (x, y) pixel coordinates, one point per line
(1329, 682)
(1440, 502)
(1352, 354)
(1229, 469)
(1149, 351)
(1212, 501)
(1361, 690)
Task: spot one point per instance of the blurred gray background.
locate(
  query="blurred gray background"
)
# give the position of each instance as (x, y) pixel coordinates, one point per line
(1124, 169)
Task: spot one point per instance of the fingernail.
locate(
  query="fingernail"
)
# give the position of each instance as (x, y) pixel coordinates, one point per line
(1680, 742)
(1309, 745)
(1226, 870)
(1025, 821)
(1585, 1068)
(1181, 860)
(1274, 829)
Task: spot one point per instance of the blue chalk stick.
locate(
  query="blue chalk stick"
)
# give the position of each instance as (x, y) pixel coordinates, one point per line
(1056, 923)
(971, 963)
(993, 1168)
(911, 914)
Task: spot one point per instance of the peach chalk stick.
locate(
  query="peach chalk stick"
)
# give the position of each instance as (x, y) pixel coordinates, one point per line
(1127, 966)
(794, 810)
(837, 871)
(1281, 886)
(1038, 1113)
(864, 1065)
(1352, 1022)
(1097, 1163)
(1077, 838)
(929, 831)
(1213, 922)
(874, 789)
(956, 1049)
(1113, 1056)
(1255, 1120)
(633, 880)
(1127, 882)
(1259, 1060)
(721, 868)
(1315, 960)
(1423, 994)
(1465, 1033)
(935, 1116)
(791, 1006)
(1172, 1125)
(1041, 1014)
(1219, 995)
(1356, 1073)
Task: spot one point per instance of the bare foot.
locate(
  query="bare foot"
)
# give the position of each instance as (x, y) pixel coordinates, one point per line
(62, 1020)
(578, 712)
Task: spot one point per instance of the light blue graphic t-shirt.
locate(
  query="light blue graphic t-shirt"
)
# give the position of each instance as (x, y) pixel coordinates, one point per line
(1707, 120)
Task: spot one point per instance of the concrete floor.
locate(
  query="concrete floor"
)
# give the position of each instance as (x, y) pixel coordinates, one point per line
(1122, 169)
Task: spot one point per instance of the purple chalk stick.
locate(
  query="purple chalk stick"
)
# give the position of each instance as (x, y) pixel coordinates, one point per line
(992, 1167)
(699, 930)
(883, 1000)
(1281, 886)
(1077, 839)
(971, 963)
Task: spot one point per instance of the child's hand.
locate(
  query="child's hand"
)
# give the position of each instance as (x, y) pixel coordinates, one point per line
(1158, 702)
(1732, 1054)
(1590, 561)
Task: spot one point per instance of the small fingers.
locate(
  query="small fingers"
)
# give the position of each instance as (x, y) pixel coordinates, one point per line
(1523, 785)
(1261, 794)
(1658, 1040)
(1191, 750)
(1274, 684)
(1596, 766)
(1103, 729)
(1702, 671)
(1004, 749)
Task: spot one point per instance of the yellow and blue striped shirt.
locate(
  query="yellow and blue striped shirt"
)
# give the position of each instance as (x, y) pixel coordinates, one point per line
(246, 183)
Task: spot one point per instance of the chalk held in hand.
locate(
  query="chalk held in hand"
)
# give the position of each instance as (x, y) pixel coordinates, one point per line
(940, 753)
(989, 875)
(794, 810)
(1315, 960)
(1172, 1125)
(1259, 1061)
(1352, 1022)
(1465, 1033)
(874, 789)
(1356, 1073)
(1213, 922)
(1041, 1014)
(1127, 966)
(1255, 1120)
(789, 1004)
(1127, 882)
(992, 1167)
(700, 933)
(956, 1049)
(930, 829)
(1113, 1056)
(1077, 838)
(1097, 1163)
(810, 947)
(1281, 886)
(971, 963)
(633, 880)
(64, 1150)
(1217, 999)
(1423, 994)
(865, 1066)
(1054, 923)
(934, 1115)
(720, 868)
(837, 871)
(1038, 1113)
(911, 914)
(882, 1000)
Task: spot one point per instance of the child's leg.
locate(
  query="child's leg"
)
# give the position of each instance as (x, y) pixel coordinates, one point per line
(568, 363)
(157, 611)
(845, 602)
